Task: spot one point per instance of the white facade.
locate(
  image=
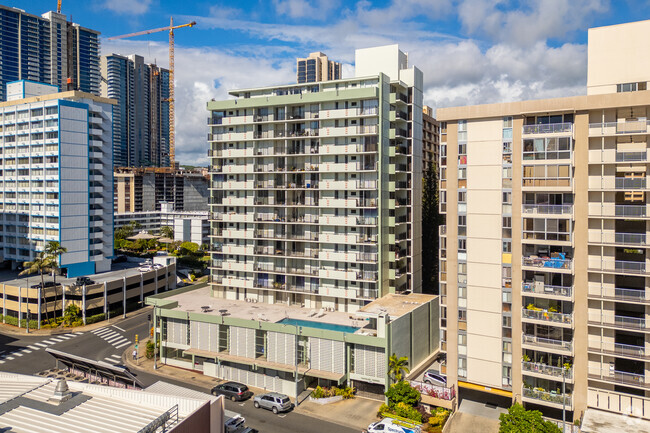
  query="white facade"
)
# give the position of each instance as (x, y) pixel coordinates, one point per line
(57, 179)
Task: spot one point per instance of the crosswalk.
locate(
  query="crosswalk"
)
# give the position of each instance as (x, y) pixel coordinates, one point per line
(113, 359)
(112, 337)
(11, 355)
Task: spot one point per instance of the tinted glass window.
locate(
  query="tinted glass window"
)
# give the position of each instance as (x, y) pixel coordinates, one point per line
(285, 400)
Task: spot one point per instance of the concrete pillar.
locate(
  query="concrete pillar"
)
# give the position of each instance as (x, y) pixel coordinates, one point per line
(83, 303)
(62, 300)
(4, 304)
(124, 295)
(141, 289)
(20, 305)
(155, 282)
(40, 293)
(105, 299)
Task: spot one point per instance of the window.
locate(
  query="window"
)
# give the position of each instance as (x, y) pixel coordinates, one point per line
(462, 173)
(506, 198)
(546, 175)
(462, 244)
(462, 196)
(547, 148)
(631, 87)
(507, 122)
(547, 229)
(507, 246)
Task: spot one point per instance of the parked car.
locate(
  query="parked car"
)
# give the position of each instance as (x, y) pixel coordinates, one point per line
(157, 266)
(84, 280)
(388, 425)
(233, 390)
(234, 424)
(273, 401)
(47, 284)
(433, 378)
(145, 268)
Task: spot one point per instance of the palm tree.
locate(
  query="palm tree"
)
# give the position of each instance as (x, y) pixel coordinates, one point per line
(53, 250)
(42, 263)
(397, 367)
(167, 232)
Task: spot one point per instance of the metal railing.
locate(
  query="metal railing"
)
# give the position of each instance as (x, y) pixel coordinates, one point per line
(621, 127)
(616, 320)
(546, 289)
(551, 262)
(550, 397)
(548, 342)
(630, 238)
(550, 128)
(619, 376)
(549, 370)
(546, 316)
(630, 183)
(554, 209)
(627, 210)
(629, 267)
(631, 156)
(435, 391)
(629, 349)
(630, 294)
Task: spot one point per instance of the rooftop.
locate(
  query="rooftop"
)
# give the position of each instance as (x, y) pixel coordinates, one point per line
(201, 301)
(71, 94)
(598, 421)
(24, 406)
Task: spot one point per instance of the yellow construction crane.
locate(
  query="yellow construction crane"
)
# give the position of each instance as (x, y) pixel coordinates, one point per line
(58, 7)
(172, 118)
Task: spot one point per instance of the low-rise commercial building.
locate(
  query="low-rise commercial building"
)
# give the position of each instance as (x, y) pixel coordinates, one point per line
(287, 348)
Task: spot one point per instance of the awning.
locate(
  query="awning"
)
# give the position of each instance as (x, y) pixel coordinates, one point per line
(484, 388)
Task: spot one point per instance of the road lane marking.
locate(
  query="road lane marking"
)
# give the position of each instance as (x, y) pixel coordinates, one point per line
(117, 327)
(48, 342)
(112, 339)
(16, 354)
(79, 333)
(25, 351)
(41, 344)
(10, 358)
(122, 345)
(73, 335)
(63, 336)
(57, 340)
(33, 347)
(115, 343)
(116, 356)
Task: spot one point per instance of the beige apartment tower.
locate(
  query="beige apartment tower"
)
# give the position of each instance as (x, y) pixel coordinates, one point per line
(317, 68)
(543, 258)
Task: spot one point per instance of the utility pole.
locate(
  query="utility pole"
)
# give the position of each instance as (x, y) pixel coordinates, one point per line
(155, 339)
(563, 399)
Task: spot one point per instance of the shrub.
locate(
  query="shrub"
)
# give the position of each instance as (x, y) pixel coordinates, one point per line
(77, 323)
(150, 349)
(346, 393)
(402, 392)
(95, 318)
(318, 392)
(382, 410)
(404, 410)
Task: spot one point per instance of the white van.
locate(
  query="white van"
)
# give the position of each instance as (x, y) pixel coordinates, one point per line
(389, 425)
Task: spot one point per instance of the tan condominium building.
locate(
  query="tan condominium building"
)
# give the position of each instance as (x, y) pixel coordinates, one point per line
(316, 68)
(543, 258)
(430, 140)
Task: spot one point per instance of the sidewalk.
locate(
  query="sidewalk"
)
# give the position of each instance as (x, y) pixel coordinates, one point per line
(16, 331)
(357, 413)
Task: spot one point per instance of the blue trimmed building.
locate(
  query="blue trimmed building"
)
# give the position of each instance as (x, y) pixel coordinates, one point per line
(56, 176)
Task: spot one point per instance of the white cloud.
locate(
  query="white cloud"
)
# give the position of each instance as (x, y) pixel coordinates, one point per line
(312, 9)
(131, 7)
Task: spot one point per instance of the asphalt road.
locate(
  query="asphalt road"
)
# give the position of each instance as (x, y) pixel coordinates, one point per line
(26, 355)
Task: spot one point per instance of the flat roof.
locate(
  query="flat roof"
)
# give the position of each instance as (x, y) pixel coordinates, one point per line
(201, 301)
(599, 421)
(237, 92)
(72, 94)
(24, 406)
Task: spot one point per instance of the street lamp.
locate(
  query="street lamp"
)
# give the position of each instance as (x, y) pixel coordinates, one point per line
(564, 370)
(155, 338)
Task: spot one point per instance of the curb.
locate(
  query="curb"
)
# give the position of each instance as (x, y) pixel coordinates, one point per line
(16, 331)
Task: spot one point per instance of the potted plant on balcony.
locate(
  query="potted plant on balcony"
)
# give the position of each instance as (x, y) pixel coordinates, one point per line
(525, 358)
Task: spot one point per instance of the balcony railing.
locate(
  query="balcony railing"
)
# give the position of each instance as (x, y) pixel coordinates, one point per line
(630, 294)
(534, 287)
(618, 376)
(547, 342)
(625, 127)
(553, 209)
(629, 350)
(549, 370)
(624, 210)
(631, 156)
(546, 316)
(630, 238)
(630, 183)
(550, 397)
(550, 128)
(629, 267)
(551, 262)
(616, 320)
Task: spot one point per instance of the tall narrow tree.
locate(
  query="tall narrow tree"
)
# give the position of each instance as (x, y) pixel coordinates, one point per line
(54, 249)
(41, 264)
(430, 223)
(397, 367)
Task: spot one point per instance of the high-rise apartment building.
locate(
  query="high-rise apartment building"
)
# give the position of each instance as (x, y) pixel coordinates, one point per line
(145, 189)
(316, 68)
(316, 187)
(56, 182)
(430, 140)
(47, 49)
(141, 126)
(544, 255)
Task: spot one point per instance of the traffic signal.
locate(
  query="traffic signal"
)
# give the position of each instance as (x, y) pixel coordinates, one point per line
(149, 317)
(151, 333)
(136, 339)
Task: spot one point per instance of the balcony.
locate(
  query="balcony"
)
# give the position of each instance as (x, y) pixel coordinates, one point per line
(545, 289)
(546, 262)
(614, 128)
(630, 183)
(626, 322)
(620, 294)
(547, 370)
(626, 350)
(551, 128)
(622, 377)
(547, 342)
(624, 210)
(630, 238)
(550, 209)
(543, 397)
(547, 316)
(607, 264)
(631, 156)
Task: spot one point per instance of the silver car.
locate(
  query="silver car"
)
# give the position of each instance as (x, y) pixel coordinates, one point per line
(433, 378)
(273, 401)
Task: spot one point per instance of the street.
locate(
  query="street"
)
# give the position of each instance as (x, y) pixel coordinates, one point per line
(26, 355)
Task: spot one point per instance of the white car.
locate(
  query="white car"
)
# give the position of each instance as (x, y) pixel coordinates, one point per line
(145, 268)
(433, 378)
(389, 425)
(157, 266)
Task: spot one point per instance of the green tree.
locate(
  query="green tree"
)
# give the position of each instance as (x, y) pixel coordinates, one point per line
(402, 392)
(430, 223)
(54, 249)
(127, 231)
(41, 264)
(72, 313)
(397, 367)
(188, 248)
(167, 232)
(520, 420)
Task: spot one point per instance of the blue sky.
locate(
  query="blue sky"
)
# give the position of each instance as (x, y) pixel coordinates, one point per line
(471, 51)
